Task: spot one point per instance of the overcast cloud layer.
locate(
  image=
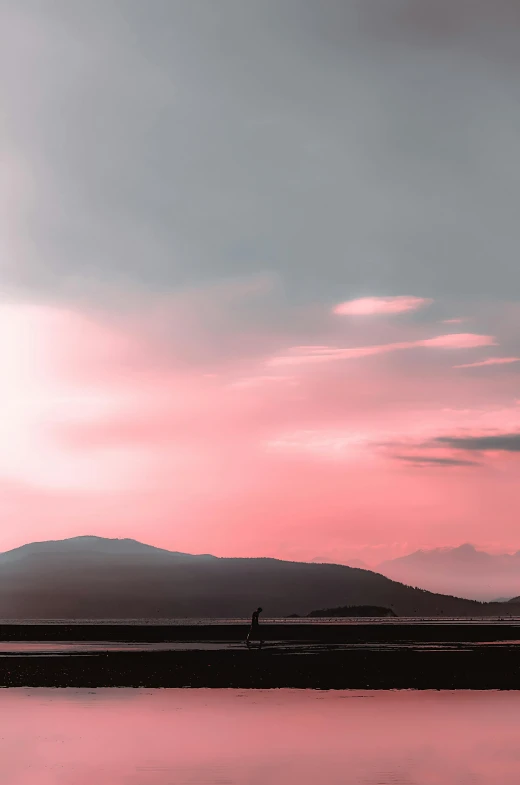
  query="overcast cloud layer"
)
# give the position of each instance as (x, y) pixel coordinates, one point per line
(362, 147)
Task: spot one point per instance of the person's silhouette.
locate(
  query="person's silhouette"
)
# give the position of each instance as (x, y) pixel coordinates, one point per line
(254, 631)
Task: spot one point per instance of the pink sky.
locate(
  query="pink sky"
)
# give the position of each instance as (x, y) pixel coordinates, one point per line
(181, 424)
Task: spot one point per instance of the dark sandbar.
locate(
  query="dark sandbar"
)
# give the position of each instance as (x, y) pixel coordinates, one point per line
(330, 657)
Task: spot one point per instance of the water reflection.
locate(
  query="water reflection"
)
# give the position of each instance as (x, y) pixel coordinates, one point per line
(169, 737)
(43, 648)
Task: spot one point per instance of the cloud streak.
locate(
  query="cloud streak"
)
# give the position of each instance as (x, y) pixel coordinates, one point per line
(501, 442)
(305, 355)
(424, 461)
(369, 306)
(490, 361)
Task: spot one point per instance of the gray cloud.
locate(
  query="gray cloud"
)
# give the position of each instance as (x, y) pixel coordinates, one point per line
(424, 461)
(504, 442)
(354, 148)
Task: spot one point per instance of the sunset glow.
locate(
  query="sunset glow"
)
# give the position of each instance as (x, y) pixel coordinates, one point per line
(110, 433)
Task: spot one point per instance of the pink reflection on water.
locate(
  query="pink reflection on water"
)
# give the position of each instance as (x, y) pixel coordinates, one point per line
(169, 737)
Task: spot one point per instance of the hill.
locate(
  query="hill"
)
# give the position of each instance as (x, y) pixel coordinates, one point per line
(463, 571)
(98, 578)
(350, 611)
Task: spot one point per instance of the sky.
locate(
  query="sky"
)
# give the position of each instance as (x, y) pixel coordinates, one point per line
(259, 285)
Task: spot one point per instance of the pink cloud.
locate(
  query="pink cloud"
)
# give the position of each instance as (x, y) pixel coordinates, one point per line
(490, 361)
(304, 355)
(367, 306)
(459, 341)
(330, 444)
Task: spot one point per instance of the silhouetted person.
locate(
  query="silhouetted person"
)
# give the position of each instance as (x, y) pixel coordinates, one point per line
(254, 631)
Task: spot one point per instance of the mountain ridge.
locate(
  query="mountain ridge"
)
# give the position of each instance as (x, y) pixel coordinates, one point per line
(92, 577)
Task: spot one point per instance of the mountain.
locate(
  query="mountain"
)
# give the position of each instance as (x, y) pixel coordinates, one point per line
(94, 577)
(363, 611)
(348, 562)
(463, 571)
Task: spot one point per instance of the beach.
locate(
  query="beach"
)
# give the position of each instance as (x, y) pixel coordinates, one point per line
(307, 656)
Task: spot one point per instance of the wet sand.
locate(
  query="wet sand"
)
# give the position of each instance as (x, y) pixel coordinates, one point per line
(414, 632)
(476, 668)
(330, 657)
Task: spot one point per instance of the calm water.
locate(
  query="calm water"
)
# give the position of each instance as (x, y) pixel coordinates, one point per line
(169, 737)
(515, 620)
(43, 648)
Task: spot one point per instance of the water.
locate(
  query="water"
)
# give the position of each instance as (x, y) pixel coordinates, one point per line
(508, 620)
(53, 648)
(277, 737)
